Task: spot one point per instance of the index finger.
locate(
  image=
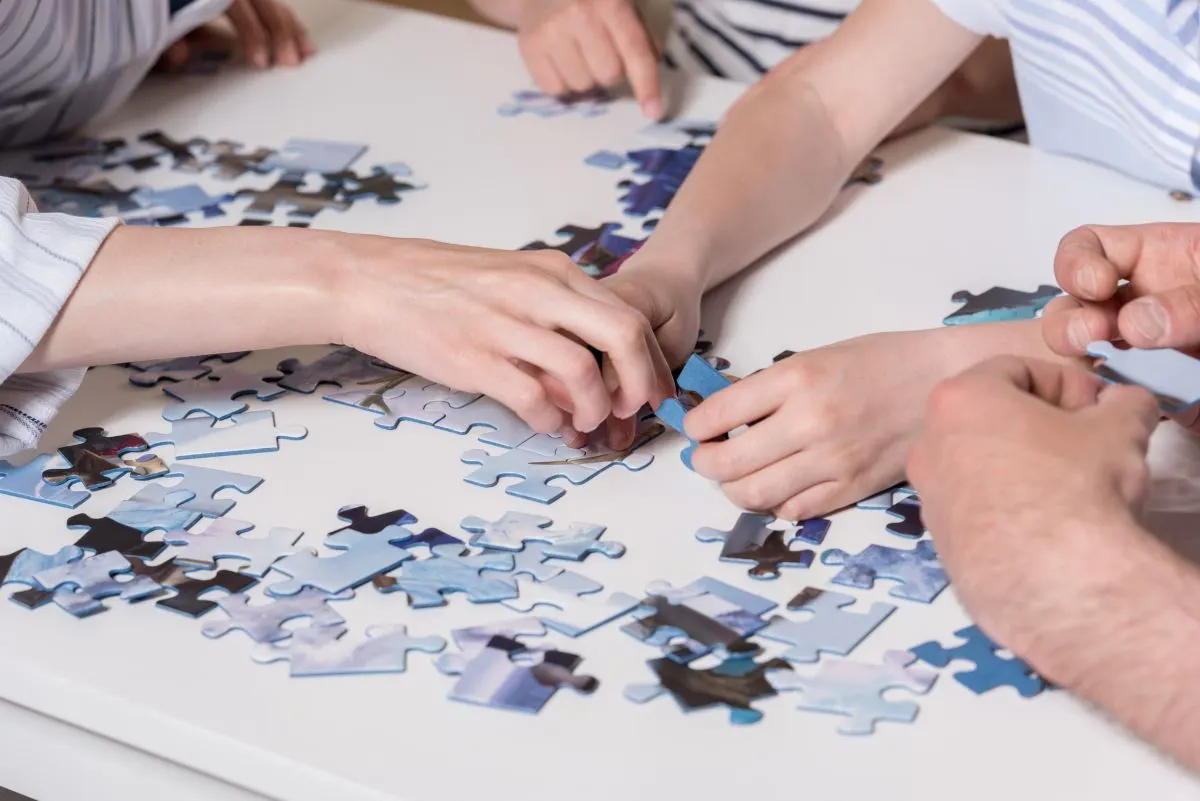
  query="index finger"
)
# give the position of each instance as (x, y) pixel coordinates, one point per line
(639, 55)
(1064, 386)
(1092, 260)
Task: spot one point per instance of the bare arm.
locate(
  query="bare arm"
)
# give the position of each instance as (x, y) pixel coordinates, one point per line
(786, 148)
(505, 13)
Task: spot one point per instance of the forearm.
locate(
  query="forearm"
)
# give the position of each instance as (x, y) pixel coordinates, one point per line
(1132, 645)
(505, 13)
(772, 170)
(154, 293)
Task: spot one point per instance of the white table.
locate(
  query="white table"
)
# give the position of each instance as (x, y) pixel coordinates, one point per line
(136, 704)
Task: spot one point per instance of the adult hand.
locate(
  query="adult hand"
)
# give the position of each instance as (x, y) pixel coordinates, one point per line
(1159, 307)
(577, 45)
(268, 32)
(831, 426)
(513, 325)
(1028, 474)
(670, 301)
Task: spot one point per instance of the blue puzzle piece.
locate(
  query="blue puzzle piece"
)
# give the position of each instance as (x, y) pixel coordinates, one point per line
(999, 304)
(991, 670)
(918, 570)
(606, 159)
(21, 566)
(1173, 377)
(697, 377)
(447, 570)
(641, 199)
(363, 557)
(156, 507)
(812, 531)
(26, 482)
(314, 155)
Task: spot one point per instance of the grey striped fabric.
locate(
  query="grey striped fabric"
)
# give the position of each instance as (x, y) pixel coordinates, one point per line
(62, 63)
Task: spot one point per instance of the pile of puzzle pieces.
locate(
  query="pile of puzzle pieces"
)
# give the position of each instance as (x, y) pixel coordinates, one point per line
(312, 176)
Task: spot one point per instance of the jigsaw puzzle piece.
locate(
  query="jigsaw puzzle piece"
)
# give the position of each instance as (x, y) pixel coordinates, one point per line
(752, 540)
(381, 184)
(181, 369)
(918, 571)
(506, 674)
(217, 396)
(888, 498)
(20, 567)
(364, 557)
(204, 483)
(95, 460)
(171, 206)
(343, 367)
(26, 482)
(831, 628)
(229, 162)
(447, 570)
(1171, 376)
(606, 160)
(599, 251)
(512, 531)
(325, 651)
(591, 103)
(570, 613)
(222, 539)
(991, 669)
(154, 507)
(473, 639)
(531, 467)
(395, 403)
(507, 430)
(999, 304)
(188, 598)
(531, 561)
(249, 432)
(855, 690)
(264, 622)
(314, 155)
(908, 512)
(697, 379)
(735, 683)
(705, 614)
(79, 587)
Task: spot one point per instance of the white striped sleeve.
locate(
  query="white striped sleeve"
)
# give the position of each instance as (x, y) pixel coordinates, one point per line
(42, 258)
(985, 17)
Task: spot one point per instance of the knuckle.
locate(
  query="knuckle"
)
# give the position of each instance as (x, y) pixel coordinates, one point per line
(579, 367)
(948, 399)
(529, 400)
(750, 495)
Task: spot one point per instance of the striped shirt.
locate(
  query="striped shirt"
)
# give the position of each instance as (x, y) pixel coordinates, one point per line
(1117, 83)
(742, 39)
(62, 63)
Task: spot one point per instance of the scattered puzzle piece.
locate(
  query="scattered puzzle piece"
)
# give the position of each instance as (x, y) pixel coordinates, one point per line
(205, 483)
(512, 531)
(381, 184)
(325, 651)
(471, 640)
(80, 586)
(217, 396)
(1000, 303)
(264, 622)
(908, 511)
(1173, 377)
(153, 507)
(855, 689)
(222, 539)
(181, 369)
(314, 155)
(94, 460)
(19, 567)
(569, 613)
(395, 401)
(506, 674)
(991, 670)
(26, 482)
(364, 557)
(735, 683)
(342, 367)
(918, 571)
(587, 104)
(706, 613)
(751, 540)
(830, 628)
(447, 570)
(599, 251)
(507, 430)
(249, 432)
(188, 599)
(287, 194)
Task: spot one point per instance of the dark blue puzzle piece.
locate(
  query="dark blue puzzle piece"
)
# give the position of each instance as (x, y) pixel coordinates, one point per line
(812, 531)
(991, 670)
(908, 512)
(999, 304)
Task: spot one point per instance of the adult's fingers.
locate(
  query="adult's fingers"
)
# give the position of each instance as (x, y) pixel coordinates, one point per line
(281, 31)
(519, 391)
(1008, 377)
(250, 32)
(568, 362)
(1069, 325)
(1169, 319)
(1132, 407)
(1091, 261)
(639, 56)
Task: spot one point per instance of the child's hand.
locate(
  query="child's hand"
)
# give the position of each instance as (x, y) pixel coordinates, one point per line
(577, 45)
(836, 423)
(267, 31)
(670, 302)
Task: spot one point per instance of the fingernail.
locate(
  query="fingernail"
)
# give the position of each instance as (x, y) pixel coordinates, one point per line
(1077, 333)
(1148, 318)
(1089, 281)
(653, 109)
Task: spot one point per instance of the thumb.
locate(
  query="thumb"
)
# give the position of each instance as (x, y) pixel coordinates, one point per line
(1130, 408)
(1169, 319)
